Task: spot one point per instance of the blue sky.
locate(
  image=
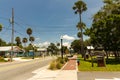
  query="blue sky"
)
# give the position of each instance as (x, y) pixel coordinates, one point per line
(49, 19)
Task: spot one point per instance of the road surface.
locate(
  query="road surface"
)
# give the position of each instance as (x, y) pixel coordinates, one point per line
(21, 70)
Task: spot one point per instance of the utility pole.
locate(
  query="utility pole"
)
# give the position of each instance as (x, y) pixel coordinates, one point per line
(12, 38)
(61, 47)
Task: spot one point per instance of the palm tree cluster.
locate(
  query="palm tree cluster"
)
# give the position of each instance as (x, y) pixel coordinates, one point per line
(25, 40)
(31, 38)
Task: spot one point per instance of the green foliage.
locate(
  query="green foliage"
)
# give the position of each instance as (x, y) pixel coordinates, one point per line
(24, 40)
(79, 34)
(18, 41)
(111, 65)
(52, 65)
(32, 39)
(105, 27)
(79, 7)
(52, 48)
(2, 59)
(66, 59)
(76, 45)
(29, 31)
(2, 42)
(58, 63)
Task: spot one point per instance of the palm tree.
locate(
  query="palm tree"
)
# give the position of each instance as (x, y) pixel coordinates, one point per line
(24, 41)
(81, 26)
(79, 35)
(18, 41)
(79, 8)
(29, 31)
(32, 39)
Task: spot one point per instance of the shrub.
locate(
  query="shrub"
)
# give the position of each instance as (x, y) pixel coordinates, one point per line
(52, 65)
(58, 65)
(62, 61)
(2, 59)
(66, 59)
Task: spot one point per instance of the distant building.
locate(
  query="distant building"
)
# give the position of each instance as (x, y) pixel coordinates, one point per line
(42, 51)
(6, 50)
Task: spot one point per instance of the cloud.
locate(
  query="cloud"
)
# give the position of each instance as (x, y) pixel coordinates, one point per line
(66, 44)
(44, 44)
(66, 37)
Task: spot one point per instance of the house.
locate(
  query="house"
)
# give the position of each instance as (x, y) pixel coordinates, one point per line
(6, 50)
(42, 51)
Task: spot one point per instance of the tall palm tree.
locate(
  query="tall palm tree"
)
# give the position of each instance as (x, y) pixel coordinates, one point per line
(24, 40)
(18, 41)
(29, 31)
(79, 7)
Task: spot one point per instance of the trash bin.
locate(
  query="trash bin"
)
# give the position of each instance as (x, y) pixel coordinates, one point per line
(101, 61)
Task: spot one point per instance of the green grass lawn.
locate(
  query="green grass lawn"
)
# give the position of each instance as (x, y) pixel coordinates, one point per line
(2, 59)
(111, 65)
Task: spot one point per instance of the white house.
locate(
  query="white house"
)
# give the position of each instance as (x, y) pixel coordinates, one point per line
(6, 50)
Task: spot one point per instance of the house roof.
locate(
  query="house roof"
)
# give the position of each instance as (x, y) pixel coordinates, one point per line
(42, 49)
(8, 48)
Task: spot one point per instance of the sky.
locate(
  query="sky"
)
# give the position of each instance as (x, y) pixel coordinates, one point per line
(49, 19)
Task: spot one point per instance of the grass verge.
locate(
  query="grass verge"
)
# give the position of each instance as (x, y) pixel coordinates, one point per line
(111, 65)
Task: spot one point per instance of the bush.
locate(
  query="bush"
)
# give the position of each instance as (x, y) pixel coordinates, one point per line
(52, 65)
(58, 63)
(2, 59)
(66, 59)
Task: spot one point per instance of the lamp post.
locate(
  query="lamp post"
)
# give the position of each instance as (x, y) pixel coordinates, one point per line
(61, 46)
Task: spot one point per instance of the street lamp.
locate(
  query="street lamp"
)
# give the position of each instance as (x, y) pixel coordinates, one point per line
(61, 46)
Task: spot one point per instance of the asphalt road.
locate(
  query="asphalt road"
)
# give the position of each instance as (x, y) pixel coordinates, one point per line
(98, 75)
(21, 70)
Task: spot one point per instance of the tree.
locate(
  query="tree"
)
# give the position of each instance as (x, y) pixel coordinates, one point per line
(29, 31)
(79, 34)
(32, 39)
(2, 42)
(79, 8)
(24, 40)
(105, 27)
(52, 48)
(76, 45)
(18, 41)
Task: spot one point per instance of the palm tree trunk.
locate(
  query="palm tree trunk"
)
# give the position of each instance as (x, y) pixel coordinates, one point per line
(82, 46)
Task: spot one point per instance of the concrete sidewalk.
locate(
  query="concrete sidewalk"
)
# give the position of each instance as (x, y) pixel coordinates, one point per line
(68, 72)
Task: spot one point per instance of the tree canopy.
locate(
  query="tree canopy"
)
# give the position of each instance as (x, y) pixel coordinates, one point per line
(105, 30)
